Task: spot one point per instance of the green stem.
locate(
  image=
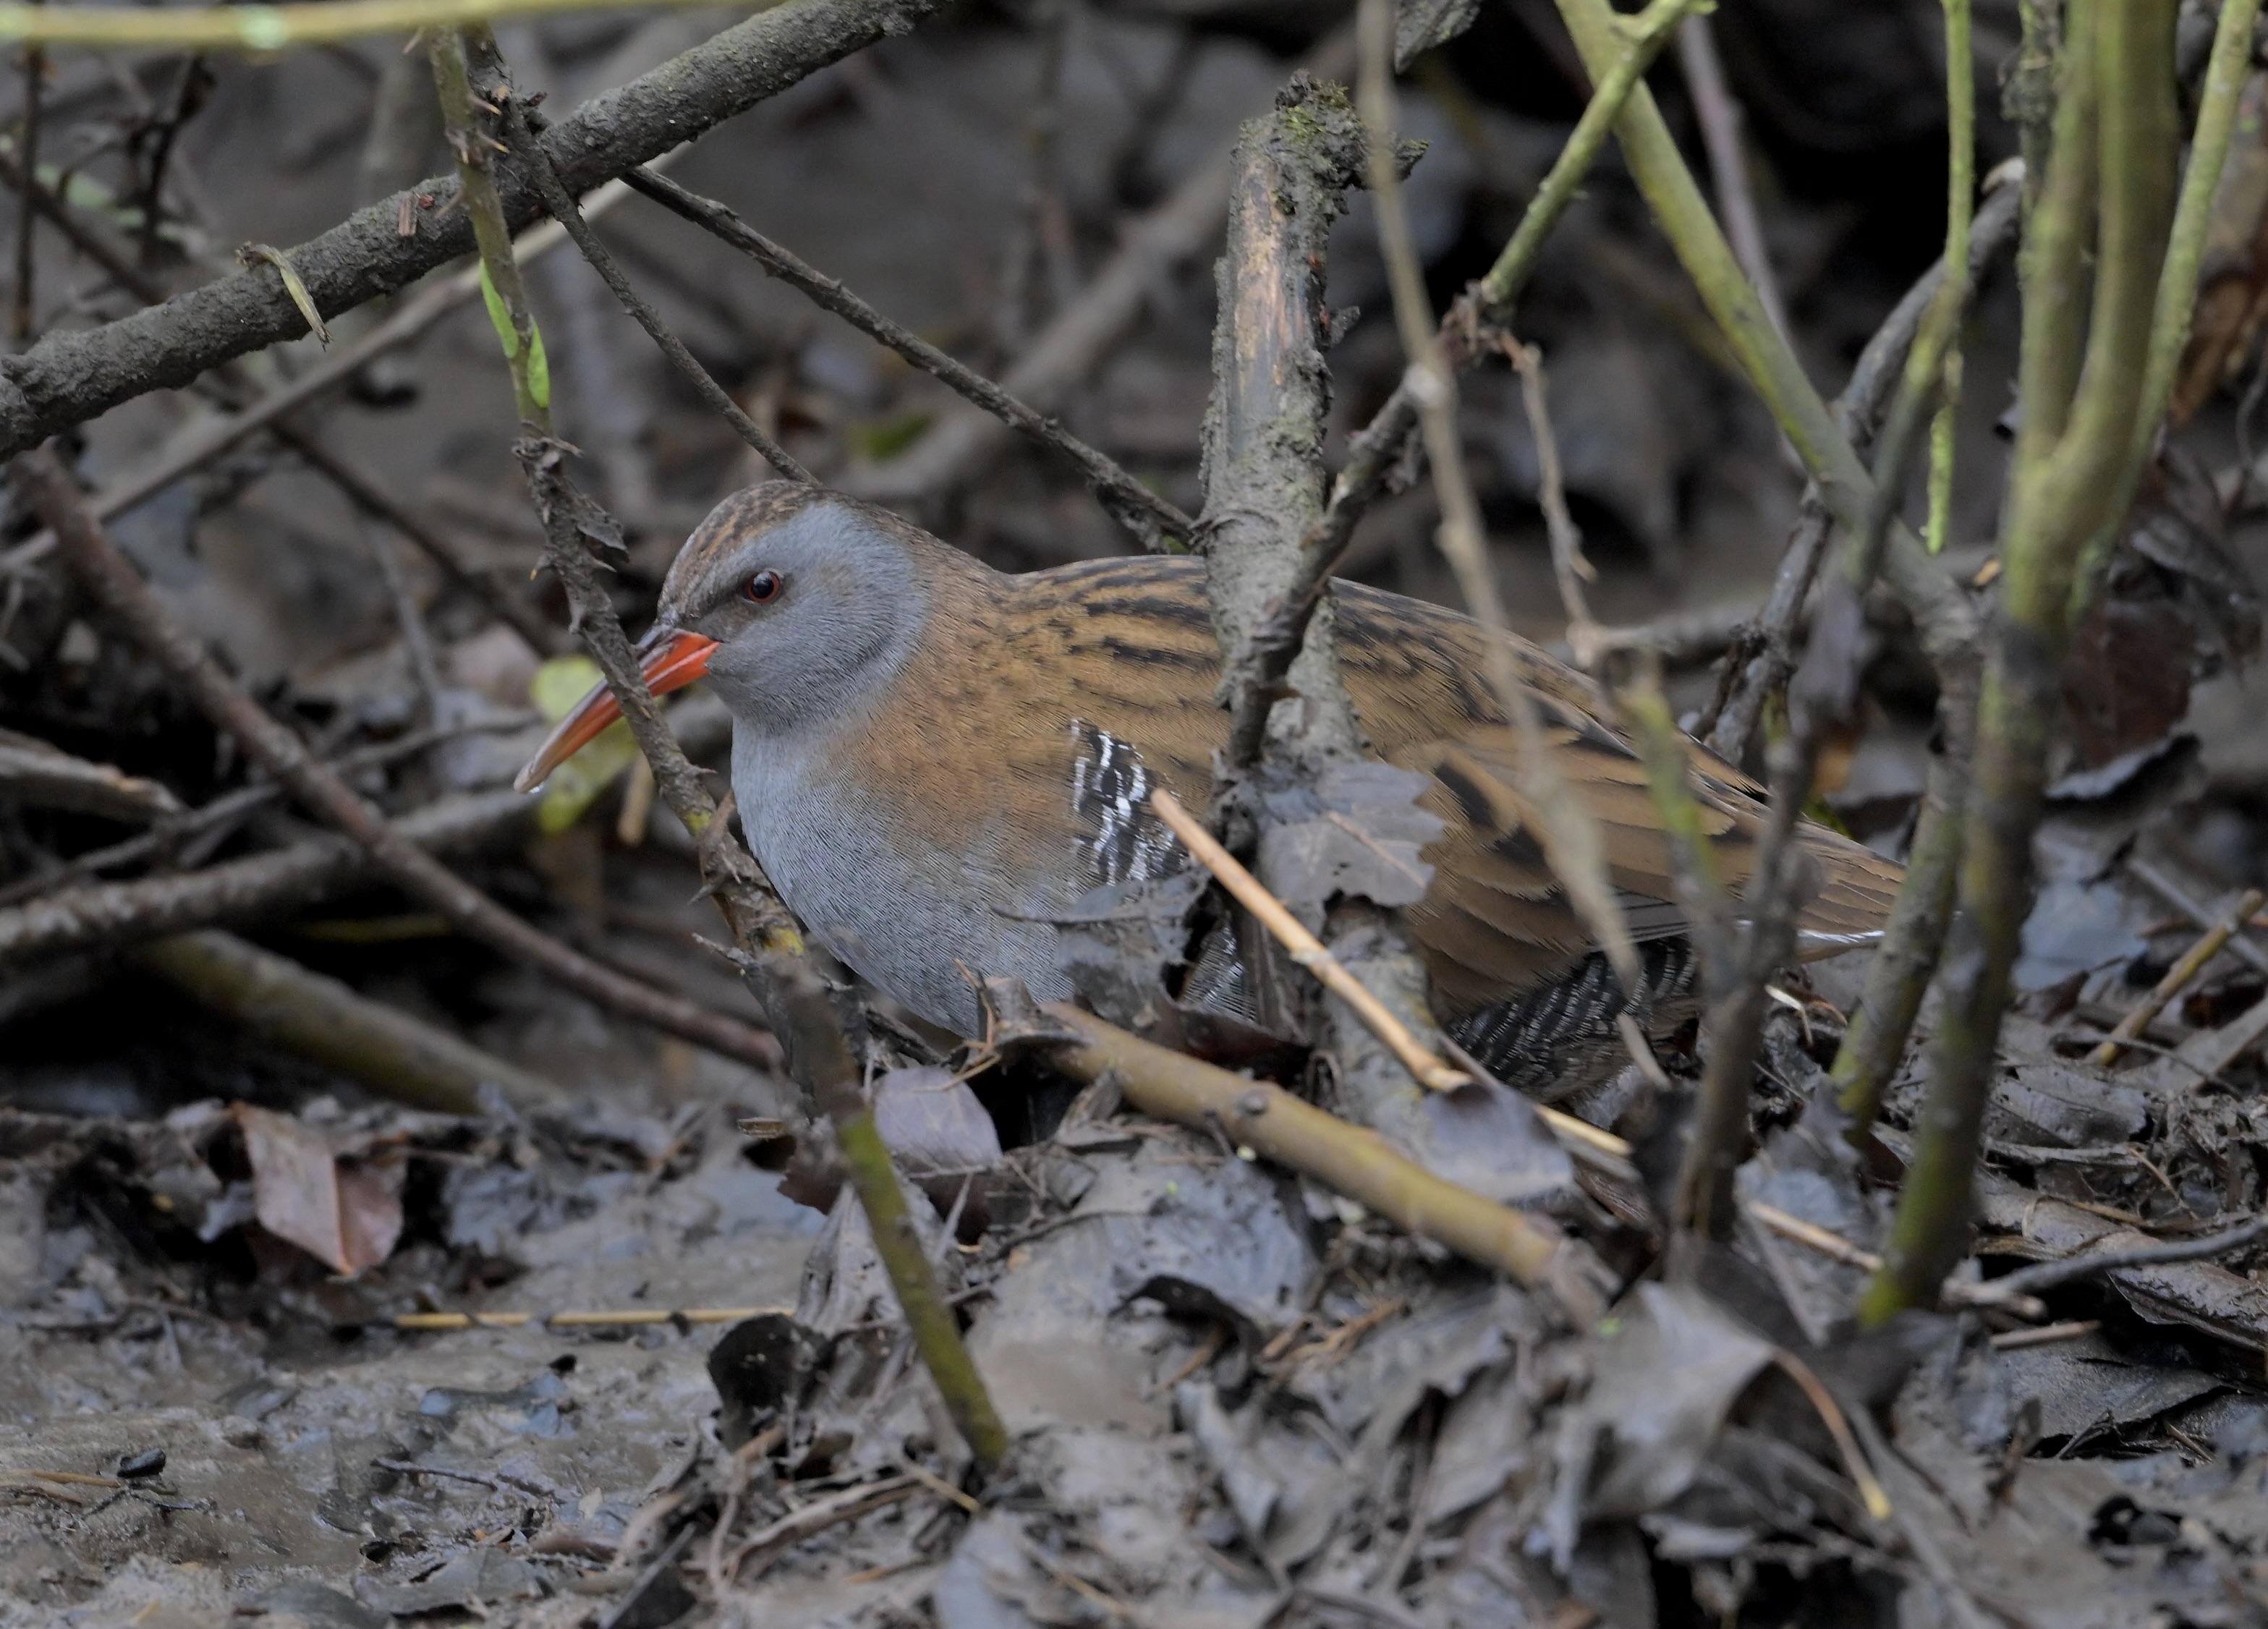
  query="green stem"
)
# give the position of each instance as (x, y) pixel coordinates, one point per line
(262, 27)
(773, 959)
(934, 1325)
(1960, 213)
(501, 286)
(1941, 613)
(1899, 977)
(1647, 32)
(2115, 136)
(2226, 71)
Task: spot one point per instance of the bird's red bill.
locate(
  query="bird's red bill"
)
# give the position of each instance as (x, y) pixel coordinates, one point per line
(672, 664)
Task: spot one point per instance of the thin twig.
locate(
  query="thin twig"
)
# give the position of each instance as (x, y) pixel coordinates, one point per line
(43, 916)
(207, 441)
(768, 945)
(2046, 1335)
(494, 1482)
(1717, 112)
(809, 1521)
(1145, 513)
(1043, 226)
(1306, 949)
(1376, 451)
(1838, 1427)
(73, 375)
(2049, 1275)
(119, 589)
(1571, 838)
(1588, 641)
(2176, 977)
(560, 203)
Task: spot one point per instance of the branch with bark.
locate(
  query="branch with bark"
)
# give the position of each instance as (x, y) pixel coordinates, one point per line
(69, 378)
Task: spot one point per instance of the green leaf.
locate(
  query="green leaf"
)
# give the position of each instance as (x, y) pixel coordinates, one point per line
(501, 317)
(575, 785)
(879, 438)
(538, 369)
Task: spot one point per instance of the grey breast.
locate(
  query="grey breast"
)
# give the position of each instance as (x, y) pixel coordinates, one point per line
(908, 923)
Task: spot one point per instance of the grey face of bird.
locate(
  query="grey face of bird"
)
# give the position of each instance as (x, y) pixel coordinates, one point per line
(812, 615)
(799, 606)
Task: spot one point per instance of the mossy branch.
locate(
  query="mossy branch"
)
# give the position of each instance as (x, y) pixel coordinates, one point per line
(1960, 213)
(2109, 187)
(2226, 71)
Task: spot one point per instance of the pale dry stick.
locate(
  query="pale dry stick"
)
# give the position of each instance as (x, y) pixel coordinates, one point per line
(2166, 886)
(2191, 964)
(192, 452)
(1813, 1237)
(2046, 1335)
(1311, 953)
(1838, 1427)
(1351, 1160)
(629, 1319)
(1571, 838)
(1305, 948)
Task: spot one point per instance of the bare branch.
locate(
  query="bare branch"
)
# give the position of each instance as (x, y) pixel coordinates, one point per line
(69, 378)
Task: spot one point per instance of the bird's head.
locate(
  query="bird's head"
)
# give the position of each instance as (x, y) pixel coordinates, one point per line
(796, 604)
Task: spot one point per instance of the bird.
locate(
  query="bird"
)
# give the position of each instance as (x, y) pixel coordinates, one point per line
(935, 762)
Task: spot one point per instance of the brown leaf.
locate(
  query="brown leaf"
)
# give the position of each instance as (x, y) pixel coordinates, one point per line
(2128, 682)
(347, 1217)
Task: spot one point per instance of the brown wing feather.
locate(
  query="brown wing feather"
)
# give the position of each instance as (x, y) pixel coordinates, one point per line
(1496, 921)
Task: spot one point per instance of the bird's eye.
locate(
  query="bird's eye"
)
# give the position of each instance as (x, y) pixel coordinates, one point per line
(762, 588)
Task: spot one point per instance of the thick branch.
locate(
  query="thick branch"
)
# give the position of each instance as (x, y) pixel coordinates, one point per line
(69, 378)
